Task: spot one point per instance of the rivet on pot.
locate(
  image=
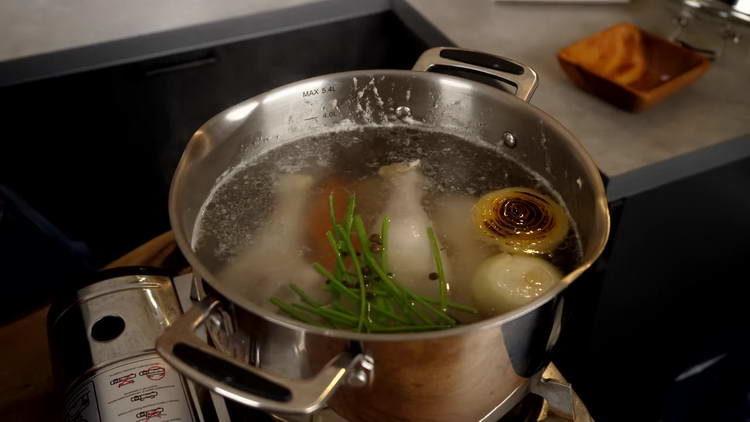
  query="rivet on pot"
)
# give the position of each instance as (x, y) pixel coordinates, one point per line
(403, 112)
(509, 140)
(358, 378)
(361, 374)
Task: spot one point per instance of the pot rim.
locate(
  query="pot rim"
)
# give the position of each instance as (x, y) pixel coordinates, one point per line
(600, 203)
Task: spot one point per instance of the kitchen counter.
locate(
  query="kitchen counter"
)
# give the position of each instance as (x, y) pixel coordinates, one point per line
(715, 109)
(44, 39)
(44, 26)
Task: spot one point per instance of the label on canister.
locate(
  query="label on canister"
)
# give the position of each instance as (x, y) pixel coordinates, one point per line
(139, 389)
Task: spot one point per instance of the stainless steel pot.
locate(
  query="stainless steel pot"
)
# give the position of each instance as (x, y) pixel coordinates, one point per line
(464, 373)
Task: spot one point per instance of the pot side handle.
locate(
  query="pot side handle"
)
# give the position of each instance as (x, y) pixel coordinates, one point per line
(235, 380)
(506, 70)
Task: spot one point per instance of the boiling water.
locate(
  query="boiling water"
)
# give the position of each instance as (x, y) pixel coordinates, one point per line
(243, 201)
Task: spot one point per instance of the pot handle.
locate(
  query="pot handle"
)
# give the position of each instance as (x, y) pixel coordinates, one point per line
(235, 380)
(509, 71)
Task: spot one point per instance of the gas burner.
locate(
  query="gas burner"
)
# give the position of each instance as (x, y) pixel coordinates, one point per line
(561, 403)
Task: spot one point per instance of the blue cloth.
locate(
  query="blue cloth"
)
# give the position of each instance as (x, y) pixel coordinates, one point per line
(37, 260)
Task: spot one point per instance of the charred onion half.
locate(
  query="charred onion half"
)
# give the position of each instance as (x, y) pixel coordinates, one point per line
(521, 220)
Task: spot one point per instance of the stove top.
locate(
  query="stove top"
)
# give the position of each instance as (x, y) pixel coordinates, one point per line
(531, 408)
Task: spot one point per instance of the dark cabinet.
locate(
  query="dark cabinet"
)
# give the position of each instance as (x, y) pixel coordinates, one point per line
(671, 294)
(94, 152)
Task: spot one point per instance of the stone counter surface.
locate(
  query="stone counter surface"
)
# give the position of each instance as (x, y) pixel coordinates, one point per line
(32, 27)
(715, 109)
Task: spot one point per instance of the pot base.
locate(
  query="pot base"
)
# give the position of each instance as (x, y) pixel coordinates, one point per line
(518, 406)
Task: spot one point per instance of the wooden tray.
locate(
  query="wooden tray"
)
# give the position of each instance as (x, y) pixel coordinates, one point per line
(629, 67)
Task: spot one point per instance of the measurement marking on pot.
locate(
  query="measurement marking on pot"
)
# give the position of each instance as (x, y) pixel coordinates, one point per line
(316, 91)
(312, 118)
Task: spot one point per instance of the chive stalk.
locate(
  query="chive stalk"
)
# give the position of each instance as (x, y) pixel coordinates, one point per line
(383, 305)
(453, 305)
(331, 209)
(330, 314)
(303, 296)
(349, 218)
(439, 266)
(291, 311)
(384, 226)
(340, 267)
(358, 270)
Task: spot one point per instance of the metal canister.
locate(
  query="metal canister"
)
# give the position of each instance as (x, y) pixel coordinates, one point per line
(102, 348)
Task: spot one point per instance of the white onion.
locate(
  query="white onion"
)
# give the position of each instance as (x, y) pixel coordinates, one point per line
(521, 220)
(505, 282)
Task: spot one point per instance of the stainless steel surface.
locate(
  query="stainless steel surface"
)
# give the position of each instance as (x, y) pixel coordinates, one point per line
(184, 284)
(509, 139)
(505, 406)
(738, 10)
(546, 412)
(146, 303)
(739, 7)
(712, 27)
(102, 348)
(560, 404)
(558, 395)
(456, 374)
(525, 83)
(580, 412)
(306, 396)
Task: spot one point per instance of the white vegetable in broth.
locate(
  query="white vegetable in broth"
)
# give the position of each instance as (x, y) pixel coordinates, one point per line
(410, 256)
(465, 249)
(505, 282)
(382, 231)
(274, 259)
